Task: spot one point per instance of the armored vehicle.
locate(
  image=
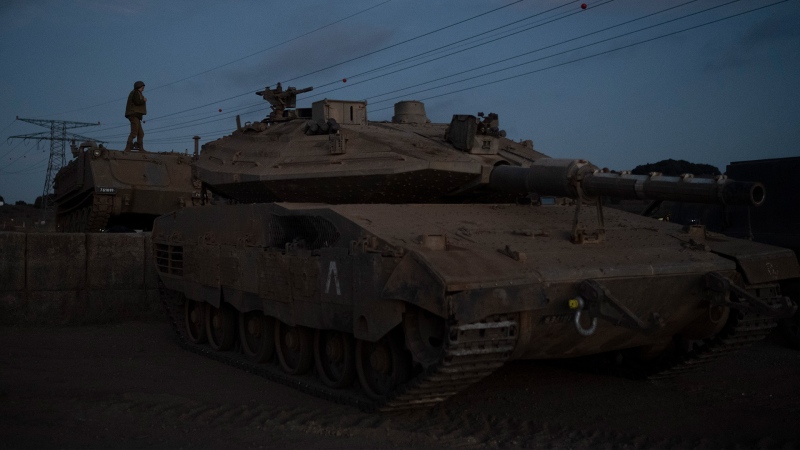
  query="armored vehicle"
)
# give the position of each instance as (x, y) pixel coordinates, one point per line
(392, 264)
(102, 188)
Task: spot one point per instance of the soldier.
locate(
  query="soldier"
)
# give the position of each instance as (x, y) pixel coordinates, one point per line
(134, 110)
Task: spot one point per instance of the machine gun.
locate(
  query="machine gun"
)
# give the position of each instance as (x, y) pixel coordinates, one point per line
(280, 100)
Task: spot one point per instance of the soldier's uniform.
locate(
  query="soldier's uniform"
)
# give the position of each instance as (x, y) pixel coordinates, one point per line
(134, 110)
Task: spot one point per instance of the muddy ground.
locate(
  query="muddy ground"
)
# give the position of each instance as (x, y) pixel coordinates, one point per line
(130, 386)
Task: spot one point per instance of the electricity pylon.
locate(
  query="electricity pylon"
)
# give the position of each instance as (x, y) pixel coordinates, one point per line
(58, 138)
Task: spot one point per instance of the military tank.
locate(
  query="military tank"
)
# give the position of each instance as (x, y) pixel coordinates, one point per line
(390, 265)
(102, 188)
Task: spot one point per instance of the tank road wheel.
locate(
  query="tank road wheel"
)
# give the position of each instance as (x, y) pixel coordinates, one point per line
(195, 321)
(221, 327)
(425, 335)
(381, 366)
(257, 335)
(334, 355)
(295, 348)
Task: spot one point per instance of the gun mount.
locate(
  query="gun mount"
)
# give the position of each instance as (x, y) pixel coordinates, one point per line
(280, 101)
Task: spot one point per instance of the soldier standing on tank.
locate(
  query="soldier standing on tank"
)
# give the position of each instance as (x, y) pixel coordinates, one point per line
(134, 110)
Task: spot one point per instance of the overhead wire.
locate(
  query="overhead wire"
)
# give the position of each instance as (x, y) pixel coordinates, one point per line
(403, 42)
(459, 51)
(604, 52)
(217, 102)
(203, 120)
(190, 123)
(234, 61)
(493, 63)
(472, 36)
(23, 155)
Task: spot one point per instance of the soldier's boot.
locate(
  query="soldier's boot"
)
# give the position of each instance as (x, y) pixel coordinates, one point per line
(128, 146)
(140, 146)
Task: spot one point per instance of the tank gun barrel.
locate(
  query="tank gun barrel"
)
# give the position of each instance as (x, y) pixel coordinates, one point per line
(579, 178)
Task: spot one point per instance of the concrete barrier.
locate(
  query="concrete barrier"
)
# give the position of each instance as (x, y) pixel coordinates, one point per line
(76, 278)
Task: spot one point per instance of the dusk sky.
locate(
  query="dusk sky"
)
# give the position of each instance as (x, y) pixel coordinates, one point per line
(619, 83)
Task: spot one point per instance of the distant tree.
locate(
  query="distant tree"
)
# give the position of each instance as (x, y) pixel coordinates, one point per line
(20, 203)
(671, 167)
(2, 200)
(38, 202)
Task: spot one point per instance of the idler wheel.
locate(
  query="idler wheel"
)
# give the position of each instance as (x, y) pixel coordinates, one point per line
(295, 347)
(381, 366)
(334, 355)
(194, 318)
(257, 335)
(221, 327)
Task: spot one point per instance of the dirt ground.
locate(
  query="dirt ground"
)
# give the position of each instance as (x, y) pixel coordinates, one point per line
(130, 386)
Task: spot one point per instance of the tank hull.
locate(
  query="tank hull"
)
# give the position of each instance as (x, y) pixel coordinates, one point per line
(509, 270)
(101, 188)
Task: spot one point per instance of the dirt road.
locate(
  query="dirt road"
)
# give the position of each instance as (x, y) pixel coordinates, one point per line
(131, 386)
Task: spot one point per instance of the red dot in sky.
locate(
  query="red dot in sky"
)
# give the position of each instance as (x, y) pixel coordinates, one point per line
(220, 110)
(583, 5)
(344, 80)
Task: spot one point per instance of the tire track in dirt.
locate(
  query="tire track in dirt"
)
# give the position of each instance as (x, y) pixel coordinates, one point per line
(439, 427)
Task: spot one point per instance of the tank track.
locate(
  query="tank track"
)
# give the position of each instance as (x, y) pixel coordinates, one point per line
(100, 212)
(472, 352)
(91, 215)
(741, 330)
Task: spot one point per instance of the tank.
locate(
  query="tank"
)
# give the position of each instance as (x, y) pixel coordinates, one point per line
(390, 265)
(776, 222)
(102, 189)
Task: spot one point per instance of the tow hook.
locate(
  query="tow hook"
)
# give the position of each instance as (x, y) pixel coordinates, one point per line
(597, 301)
(577, 304)
(743, 300)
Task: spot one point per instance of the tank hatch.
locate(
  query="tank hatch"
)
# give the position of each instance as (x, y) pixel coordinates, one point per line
(345, 112)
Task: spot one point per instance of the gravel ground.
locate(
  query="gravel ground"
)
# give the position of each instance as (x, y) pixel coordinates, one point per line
(131, 386)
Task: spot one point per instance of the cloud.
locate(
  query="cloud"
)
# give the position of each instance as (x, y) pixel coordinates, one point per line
(321, 50)
(753, 44)
(771, 30)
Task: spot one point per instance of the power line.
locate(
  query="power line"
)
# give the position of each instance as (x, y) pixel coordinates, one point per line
(338, 64)
(458, 42)
(403, 42)
(58, 135)
(547, 47)
(456, 52)
(602, 53)
(231, 62)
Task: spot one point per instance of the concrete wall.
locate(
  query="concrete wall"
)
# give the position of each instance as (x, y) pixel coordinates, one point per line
(76, 278)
